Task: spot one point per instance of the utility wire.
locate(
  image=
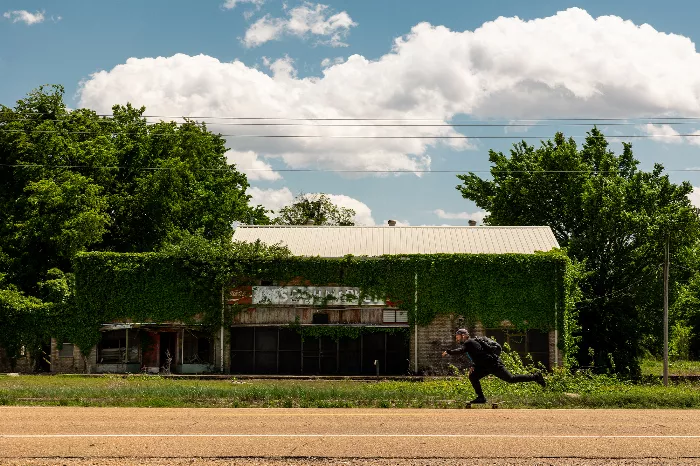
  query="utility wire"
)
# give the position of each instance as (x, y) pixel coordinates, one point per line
(321, 169)
(386, 125)
(319, 136)
(650, 118)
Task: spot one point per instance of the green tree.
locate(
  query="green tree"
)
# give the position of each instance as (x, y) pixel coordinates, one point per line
(73, 181)
(609, 215)
(315, 209)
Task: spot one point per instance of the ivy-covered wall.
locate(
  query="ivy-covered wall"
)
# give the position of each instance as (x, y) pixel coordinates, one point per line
(529, 290)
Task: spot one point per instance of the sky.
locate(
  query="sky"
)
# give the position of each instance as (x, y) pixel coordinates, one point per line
(420, 66)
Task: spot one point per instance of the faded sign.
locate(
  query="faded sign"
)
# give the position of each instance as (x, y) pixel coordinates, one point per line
(312, 295)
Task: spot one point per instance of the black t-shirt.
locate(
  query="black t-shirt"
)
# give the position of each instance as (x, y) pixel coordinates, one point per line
(478, 355)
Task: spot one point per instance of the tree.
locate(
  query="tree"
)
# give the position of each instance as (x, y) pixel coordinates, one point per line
(73, 181)
(609, 215)
(316, 209)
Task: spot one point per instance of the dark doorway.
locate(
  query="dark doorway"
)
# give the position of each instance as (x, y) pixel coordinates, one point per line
(167, 351)
(43, 358)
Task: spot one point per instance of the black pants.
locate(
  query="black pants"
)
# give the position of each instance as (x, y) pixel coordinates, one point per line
(500, 371)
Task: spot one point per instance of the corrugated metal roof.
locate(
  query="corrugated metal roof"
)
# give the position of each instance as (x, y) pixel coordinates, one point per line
(376, 241)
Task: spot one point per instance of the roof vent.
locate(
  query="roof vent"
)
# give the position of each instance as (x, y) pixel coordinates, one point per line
(310, 222)
(472, 223)
(391, 223)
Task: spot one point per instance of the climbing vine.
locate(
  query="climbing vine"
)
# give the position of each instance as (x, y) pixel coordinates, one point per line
(185, 285)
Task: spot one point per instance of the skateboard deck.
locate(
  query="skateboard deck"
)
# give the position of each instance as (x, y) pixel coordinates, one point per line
(492, 405)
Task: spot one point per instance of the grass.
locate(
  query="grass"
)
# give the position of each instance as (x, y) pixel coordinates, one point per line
(656, 367)
(563, 391)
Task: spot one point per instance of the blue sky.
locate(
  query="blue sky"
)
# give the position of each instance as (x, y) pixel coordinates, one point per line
(266, 58)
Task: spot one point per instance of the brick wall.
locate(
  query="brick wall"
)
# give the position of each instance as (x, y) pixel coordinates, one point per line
(22, 364)
(70, 359)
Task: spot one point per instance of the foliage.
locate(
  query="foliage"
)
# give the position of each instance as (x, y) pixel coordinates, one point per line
(315, 209)
(610, 216)
(72, 181)
(184, 283)
(679, 341)
(22, 322)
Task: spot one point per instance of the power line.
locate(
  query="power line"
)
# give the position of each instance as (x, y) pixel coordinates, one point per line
(648, 118)
(320, 136)
(312, 170)
(388, 125)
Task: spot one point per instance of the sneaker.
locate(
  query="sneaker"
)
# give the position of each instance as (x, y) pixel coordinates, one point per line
(539, 378)
(478, 400)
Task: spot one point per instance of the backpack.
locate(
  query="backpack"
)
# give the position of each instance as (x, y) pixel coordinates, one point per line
(490, 346)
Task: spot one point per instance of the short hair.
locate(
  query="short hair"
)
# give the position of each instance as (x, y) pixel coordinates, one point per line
(462, 331)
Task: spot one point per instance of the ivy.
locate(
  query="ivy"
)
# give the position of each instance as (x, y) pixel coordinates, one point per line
(184, 284)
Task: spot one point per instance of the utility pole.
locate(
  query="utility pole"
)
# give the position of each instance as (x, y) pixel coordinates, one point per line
(666, 267)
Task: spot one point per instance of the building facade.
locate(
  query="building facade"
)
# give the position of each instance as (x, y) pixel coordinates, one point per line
(295, 328)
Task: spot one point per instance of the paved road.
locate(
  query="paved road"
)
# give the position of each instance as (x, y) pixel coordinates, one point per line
(31, 435)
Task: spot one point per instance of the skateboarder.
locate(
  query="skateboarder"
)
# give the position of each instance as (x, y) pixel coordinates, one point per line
(484, 362)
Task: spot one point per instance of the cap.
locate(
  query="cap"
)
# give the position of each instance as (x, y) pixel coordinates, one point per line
(462, 331)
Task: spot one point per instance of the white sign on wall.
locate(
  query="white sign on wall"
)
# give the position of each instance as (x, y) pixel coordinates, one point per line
(312, 295)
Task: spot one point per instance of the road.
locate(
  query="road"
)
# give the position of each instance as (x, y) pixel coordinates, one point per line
(33, 435)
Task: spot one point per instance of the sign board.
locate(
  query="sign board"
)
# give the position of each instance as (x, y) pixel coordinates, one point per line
(312, 296)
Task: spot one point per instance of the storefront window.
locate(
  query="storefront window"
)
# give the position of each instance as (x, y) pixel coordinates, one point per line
(198, 348)
(118, 347)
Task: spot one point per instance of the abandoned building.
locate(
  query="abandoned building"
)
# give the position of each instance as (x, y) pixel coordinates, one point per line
(265, 337)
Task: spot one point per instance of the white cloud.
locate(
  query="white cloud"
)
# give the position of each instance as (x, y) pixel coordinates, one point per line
(668, 134)
(230, 4)
(275, 199)
(26, 17)
(477, 216)
(695, 197)
(247, 162)
(303, 21)
(326, 62)
(566, 65)
(363, 214)
(270, 199)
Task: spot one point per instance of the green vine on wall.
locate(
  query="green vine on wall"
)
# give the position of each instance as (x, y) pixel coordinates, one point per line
(185, 285)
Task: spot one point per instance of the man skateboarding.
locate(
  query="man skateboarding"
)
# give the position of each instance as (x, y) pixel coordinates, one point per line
(485, 362)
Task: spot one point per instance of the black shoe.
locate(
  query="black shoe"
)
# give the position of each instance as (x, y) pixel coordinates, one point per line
(539, 378)
(478, 400)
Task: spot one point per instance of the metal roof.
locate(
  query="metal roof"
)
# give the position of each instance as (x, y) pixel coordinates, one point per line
(375, 241)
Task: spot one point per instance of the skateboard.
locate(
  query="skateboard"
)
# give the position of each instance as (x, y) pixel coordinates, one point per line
(494, 405)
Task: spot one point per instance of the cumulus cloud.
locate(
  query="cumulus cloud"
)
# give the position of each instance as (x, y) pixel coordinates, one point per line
(566, 65)
(695, 197)
(326, 62)
(477, 216)
(255, 169)
(24, 16)
(275, 199)
(303, 21)
(270, 199)
(668, 134)
(231, 4)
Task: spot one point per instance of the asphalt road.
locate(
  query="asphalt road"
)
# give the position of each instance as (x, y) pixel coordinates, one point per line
(30, 435)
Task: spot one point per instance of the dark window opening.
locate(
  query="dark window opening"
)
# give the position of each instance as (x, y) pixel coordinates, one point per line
(276, 350)
(532, 342)
(66, 350)
(320, 318)
(118, 347)
(197, 348)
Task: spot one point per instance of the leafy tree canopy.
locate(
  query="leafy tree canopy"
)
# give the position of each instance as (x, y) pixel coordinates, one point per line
(315, 209)
(73, 181)
(609, 215)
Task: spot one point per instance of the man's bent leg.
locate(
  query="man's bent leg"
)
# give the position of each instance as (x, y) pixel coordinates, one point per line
(475, 378)
(502, 373)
